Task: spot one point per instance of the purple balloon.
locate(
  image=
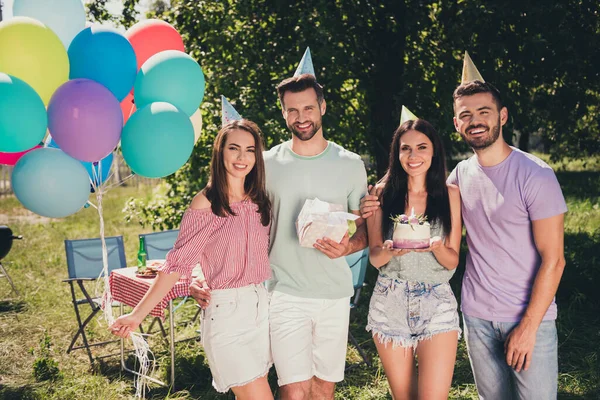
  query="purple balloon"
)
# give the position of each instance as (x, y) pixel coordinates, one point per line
(85, 119)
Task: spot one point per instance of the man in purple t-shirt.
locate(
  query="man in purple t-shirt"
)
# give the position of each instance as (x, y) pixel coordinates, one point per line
(513, 210)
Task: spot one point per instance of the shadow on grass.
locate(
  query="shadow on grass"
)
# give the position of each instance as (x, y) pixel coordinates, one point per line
(12, 306)
(26, 392)
(579, 184)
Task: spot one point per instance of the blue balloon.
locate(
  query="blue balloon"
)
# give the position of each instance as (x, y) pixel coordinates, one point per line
(103, 55)
(173, 77)
(23, 117)
(65, 17)
(50, 183)
(157, 140)
(92, 169)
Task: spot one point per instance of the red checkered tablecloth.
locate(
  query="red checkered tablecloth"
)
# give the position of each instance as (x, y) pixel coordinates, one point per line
(128, 289)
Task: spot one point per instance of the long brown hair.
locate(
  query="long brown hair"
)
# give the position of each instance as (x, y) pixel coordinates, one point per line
(254, 184)
(395, 191)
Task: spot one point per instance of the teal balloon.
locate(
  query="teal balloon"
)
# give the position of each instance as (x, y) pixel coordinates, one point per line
(65, 17)
(173, 77)
(23, 117)
(157, 140)
(50, 183)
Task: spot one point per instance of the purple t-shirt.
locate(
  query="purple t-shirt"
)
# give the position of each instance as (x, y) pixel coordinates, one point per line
(498, 205)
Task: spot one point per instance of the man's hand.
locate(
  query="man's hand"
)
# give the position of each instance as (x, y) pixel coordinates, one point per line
(332, 249)
(200, 292)
(370, 203)
(519, 346)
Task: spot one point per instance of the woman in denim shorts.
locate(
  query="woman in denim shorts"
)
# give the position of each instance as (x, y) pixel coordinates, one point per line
(413, 311)
(226, 231)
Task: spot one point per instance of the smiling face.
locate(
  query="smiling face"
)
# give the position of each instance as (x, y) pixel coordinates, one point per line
(239, 153)
(478, 120)
(303, 113)
(416, 152)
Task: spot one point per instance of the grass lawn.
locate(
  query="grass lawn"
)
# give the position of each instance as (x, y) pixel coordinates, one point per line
(43, 312)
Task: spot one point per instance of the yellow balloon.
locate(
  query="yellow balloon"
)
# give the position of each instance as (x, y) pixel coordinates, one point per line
(31, 51)
(196, 119)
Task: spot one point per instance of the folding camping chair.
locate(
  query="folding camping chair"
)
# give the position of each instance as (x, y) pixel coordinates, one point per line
(358, 263)
(84, 263)
(158, 244)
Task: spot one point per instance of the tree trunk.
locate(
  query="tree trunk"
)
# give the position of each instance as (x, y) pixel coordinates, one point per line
(385, 85)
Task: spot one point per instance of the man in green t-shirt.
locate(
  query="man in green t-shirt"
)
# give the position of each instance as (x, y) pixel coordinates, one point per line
(311, 287)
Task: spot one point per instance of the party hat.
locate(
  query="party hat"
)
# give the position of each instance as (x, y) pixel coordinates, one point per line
(228, 113)
(470, 72)
(306, 65)
(406, 115)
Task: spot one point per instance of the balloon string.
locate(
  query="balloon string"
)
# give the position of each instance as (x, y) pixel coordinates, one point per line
(113, 168)
(113, 185)
(141, 347)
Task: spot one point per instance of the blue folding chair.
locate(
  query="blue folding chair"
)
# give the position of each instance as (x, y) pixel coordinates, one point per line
(84, 263)
(158, 244)
(358, 263)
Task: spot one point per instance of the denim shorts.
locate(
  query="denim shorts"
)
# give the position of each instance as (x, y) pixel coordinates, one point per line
(406, 312)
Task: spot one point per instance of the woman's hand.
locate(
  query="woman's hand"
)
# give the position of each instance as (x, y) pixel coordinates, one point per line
(388, 246)
(124, 325)
(435, 243)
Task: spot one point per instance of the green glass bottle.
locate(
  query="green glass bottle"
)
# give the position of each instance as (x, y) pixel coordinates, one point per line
(142, 256)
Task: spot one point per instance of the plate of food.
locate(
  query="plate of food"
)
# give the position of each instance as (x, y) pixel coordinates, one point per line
(147, 272)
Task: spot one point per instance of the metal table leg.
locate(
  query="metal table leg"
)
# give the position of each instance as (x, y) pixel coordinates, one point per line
(172, 342)
(4, 274)
(124, 368)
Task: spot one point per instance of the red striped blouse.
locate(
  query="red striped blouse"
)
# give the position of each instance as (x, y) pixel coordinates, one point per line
(233, 251)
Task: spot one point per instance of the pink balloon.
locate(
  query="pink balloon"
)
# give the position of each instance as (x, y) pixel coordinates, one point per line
(12, 158)
(128, 107)
(85, 119)
(152, 36)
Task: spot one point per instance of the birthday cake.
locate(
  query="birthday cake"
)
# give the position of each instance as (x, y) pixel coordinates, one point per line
(411, 231)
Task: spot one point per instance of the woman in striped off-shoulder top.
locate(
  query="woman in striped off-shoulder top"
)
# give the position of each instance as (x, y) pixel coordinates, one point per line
(226, 231)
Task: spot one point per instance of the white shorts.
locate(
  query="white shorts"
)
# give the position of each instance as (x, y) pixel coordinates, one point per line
(308, 337)
(235, 336)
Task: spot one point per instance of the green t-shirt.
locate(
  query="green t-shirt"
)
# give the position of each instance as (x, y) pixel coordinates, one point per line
(335, 176)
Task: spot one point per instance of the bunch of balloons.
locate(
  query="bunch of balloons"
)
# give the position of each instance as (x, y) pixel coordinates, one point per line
(91, 88)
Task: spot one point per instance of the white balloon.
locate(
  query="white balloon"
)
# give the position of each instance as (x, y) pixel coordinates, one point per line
(196, 119)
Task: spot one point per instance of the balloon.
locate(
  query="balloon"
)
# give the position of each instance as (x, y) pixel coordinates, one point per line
(33, 53)
(65, 17)
(196, 119)
(91, 169)
(153, 36)
(173, 77)
(157, 140)
(103, 55)
(50, 183)
(23, 118)
(128, 107)
(85, 120)
(12, 158)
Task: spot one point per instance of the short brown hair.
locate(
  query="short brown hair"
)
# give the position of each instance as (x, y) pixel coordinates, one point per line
(298, 84)
(216, 190)
(474, 87)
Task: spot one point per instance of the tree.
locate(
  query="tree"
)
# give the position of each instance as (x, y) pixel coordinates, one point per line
(374, 56)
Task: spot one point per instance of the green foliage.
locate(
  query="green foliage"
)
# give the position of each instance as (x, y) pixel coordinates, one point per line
(45, 367)
(97, 12)
(373, 57)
